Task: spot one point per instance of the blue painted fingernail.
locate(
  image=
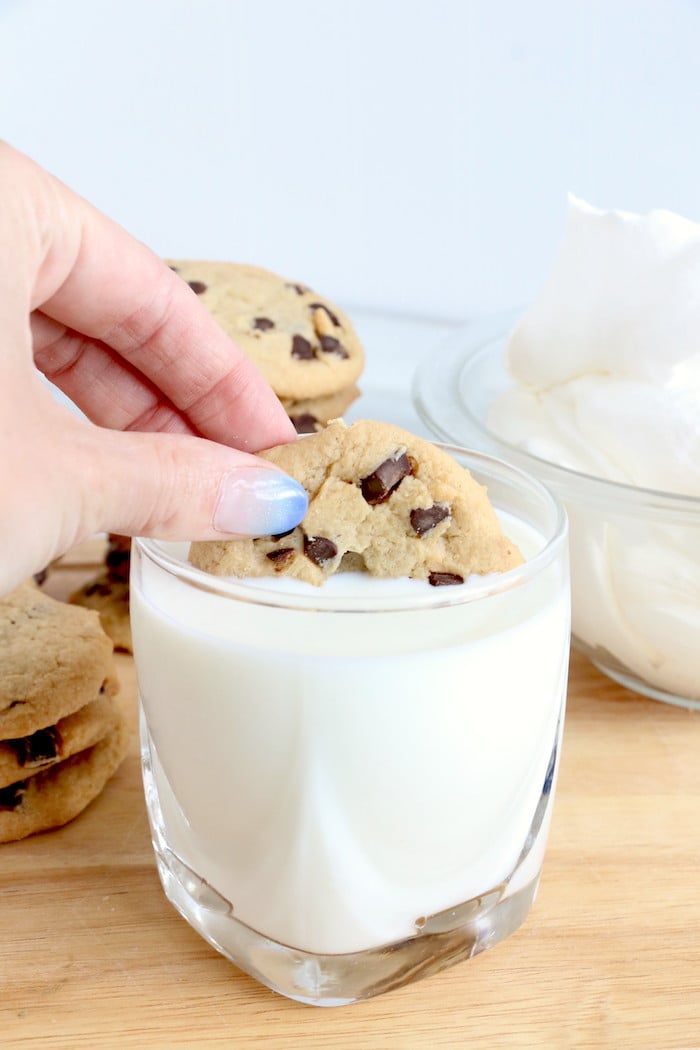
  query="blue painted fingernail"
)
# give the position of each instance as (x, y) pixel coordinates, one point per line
(256, 501)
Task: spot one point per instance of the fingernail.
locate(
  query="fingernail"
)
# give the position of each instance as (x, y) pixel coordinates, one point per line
(259, 502)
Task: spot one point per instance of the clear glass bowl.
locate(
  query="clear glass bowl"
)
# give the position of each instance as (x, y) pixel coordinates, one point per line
(635, 553)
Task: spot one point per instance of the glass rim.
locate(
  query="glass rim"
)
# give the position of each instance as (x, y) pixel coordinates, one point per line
(253, 590)
(467, 347)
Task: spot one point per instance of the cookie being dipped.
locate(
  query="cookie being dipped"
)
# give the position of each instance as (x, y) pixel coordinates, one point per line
(381, 500)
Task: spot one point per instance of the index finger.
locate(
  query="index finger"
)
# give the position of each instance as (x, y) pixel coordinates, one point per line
(93, 277)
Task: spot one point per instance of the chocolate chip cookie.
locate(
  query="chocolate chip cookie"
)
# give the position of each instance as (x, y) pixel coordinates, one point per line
(304, 345)
(108, 592)
(310, 415)
(54, 659)
(54, 796)
(48, 744)
(62, 734)
(109, 597)
(380, 500)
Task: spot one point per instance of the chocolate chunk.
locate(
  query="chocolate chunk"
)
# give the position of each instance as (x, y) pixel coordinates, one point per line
(11, 796)
(119, 562)
(444, 579)
(103, 589)
(322, 306)
(423, 519)
(197, 287)
(300, 289)
(304, 423)
(302, 349)
(40, 577)
(331, 345)
(379, 485)
(319, 549)
(118, 542)
(281, 557)
(41, 746)
(263, 324)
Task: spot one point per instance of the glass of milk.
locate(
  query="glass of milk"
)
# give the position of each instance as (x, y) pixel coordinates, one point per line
(350, 786)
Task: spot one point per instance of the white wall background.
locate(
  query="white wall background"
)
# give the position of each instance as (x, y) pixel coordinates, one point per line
(406, 155)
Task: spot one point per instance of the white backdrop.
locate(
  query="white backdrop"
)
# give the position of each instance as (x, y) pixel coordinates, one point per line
(404, 155)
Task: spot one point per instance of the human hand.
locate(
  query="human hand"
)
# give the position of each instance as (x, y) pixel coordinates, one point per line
(174, 409)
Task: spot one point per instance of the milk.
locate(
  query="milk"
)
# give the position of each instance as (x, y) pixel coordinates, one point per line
(338, 764)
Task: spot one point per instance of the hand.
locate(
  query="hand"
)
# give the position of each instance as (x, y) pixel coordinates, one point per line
(169, 399)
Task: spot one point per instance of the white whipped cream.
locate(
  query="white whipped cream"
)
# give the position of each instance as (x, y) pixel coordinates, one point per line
(607, 358)
(336, 775)
(606, 364)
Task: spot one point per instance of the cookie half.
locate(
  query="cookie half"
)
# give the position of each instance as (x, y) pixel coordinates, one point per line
(26, 755)
(54, 659)
(304, 345)
(381, 500)
(54, 797)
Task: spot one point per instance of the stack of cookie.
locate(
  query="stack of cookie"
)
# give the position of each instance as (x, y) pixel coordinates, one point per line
(303, 344)
(108, 592)
(62, 732)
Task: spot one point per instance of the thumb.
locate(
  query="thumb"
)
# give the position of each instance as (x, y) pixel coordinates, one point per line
(176, 486)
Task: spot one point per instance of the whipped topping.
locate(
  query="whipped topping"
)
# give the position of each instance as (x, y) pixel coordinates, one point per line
(607, 359)
(606, 364)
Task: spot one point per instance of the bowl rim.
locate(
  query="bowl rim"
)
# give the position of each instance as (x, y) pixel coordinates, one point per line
(435, 389)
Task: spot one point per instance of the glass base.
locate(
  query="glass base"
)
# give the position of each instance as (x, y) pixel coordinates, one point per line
(338, 980)
(441, 939)
(608, 665)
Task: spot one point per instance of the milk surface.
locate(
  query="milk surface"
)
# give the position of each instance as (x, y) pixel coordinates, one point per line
(337, 775)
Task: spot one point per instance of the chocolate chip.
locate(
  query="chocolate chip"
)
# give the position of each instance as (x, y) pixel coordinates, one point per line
(444, 579)
(319, 549)
(117, 542)
(263, 324)
(40, 577)
(300, 289)
(331, 345)
(118, 562)
(103, 589)
(322, 306)
(197, 287)
(304, 423)
(11, 796)
(302, 349)
(41, 746)
(379, 485)
(281, 557)
(423, 519)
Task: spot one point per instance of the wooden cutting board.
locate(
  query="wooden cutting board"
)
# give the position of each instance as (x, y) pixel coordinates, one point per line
(93, 956)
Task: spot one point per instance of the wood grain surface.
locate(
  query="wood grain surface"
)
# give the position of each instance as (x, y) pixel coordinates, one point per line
(93, 956)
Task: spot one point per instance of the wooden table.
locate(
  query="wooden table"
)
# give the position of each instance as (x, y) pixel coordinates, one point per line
(93, 956)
